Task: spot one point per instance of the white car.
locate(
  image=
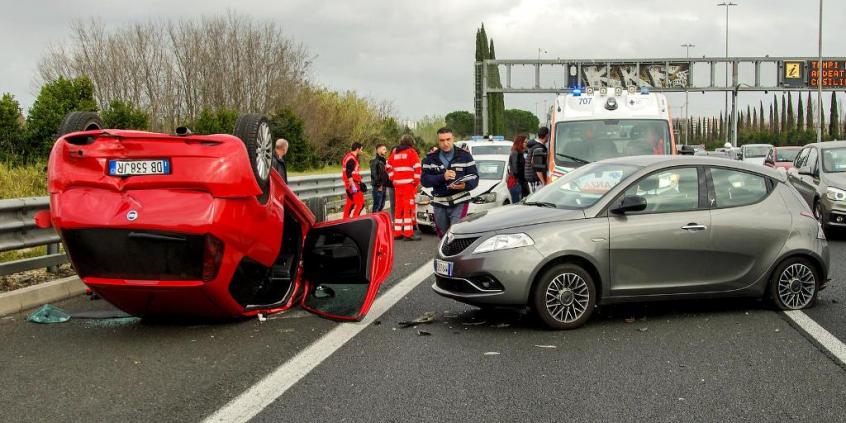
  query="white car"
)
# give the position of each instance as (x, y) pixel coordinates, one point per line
(485, 147)
(491, 192)
(755, 153)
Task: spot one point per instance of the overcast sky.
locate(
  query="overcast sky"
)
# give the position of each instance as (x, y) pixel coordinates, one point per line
(419, 54)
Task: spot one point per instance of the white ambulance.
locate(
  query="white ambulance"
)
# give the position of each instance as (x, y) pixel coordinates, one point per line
(605, 123)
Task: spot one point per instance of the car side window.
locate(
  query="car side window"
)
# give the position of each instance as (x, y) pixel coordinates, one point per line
(811, 162)
(800, 159)
(734, 188)
(668, 190)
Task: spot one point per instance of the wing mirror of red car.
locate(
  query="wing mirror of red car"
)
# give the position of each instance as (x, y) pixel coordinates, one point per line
(629, 203)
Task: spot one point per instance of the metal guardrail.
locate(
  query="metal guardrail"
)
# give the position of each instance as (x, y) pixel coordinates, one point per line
(321, 193)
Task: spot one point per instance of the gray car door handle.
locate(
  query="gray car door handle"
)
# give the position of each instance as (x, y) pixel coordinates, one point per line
(694, 227)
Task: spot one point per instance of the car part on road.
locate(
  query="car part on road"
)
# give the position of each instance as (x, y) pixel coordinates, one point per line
(564, 297)
(48, 314)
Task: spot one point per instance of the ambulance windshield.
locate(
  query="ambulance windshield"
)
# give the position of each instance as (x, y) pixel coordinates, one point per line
(578, 142)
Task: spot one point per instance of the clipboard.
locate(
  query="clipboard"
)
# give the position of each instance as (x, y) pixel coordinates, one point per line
(463, 179)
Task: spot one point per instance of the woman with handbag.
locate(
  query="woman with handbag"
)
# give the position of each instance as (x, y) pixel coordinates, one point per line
(517, 185)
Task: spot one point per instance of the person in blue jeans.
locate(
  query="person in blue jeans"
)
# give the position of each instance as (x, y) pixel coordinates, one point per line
(379, 178)
(451, 173)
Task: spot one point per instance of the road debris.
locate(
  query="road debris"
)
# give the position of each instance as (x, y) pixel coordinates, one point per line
(48, 314)
(491, 353)
(482, 322)
(501, 325)
(261, 318)
(642, 329)
(546, 346)
(424, 319)
(423, 333)
(629, 320)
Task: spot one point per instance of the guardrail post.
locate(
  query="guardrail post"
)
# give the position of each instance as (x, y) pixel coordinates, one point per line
(53, 249)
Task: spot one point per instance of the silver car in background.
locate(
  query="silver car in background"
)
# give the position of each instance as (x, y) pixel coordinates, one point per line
(639, 229)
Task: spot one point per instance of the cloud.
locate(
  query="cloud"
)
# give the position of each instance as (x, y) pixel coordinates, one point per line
(419, 55)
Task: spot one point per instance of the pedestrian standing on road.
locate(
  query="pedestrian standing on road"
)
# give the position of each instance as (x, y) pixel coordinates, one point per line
(404, 172)
(451, 173)
(279, 158)
(536, 161)
(517, 185)
(379, 178)
(355, 188)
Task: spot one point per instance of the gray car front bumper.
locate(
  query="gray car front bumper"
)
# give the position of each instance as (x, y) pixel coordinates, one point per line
(494, 278)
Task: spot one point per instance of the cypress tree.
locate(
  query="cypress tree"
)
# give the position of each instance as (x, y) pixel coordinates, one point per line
(791, 117)
(776, 120)
(800, 115)
(761, 115)
(809, 115)
(783, 121)
(749, 123)
(834, 118)
(496, 124)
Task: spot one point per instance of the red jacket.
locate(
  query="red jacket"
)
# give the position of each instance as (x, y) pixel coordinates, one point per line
(350, 172)
(403, 167)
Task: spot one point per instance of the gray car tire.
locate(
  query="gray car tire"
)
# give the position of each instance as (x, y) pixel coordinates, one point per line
(794, 285)
(564, 297)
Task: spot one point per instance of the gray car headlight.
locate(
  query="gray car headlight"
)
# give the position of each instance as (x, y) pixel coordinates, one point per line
(504, 242)
(489, 197)
(835, 194)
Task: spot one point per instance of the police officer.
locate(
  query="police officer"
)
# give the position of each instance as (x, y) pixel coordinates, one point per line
(352, 182)
(451, 173)
(404, 172)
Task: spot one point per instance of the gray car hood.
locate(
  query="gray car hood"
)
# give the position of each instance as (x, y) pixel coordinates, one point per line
(836, 180)
(513, 216)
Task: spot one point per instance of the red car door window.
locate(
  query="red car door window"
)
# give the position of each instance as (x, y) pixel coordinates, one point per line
(344, 263)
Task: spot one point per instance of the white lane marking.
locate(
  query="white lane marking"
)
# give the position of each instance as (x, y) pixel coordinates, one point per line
(833, 345)
(254, 400)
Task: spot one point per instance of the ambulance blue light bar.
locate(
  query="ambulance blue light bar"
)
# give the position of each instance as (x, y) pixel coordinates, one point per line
(577, 92)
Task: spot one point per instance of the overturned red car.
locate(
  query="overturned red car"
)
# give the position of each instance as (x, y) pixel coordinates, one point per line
(200, 226)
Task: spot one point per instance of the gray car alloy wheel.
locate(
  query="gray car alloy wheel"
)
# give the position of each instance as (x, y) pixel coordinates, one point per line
(567, 297)
(796, 286)
(264, 150)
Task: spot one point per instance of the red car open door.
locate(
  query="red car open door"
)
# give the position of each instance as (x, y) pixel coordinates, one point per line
(344, 263)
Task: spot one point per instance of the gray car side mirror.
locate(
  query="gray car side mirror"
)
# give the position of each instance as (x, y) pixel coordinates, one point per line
(629, 203)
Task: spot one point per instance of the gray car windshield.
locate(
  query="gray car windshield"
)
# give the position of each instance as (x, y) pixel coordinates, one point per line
(834, 160)
(760, 151)
(582, 187)
(593, 140)
(490, 169)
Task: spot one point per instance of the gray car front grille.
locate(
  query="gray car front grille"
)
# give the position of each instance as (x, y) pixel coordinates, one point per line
(457, 245)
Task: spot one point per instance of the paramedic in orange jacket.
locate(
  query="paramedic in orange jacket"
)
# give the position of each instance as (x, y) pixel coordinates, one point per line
(352, 182)
(404, 172)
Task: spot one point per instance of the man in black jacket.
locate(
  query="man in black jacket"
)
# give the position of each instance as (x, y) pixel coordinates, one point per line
(535, 169)
(379, 178)
(279, 158)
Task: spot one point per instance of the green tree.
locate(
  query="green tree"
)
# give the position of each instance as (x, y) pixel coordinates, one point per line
(11, 130)
(791, 117)
(834, 118)
(496, 101)
(809, 117)
(761, 116)
(219, 121)
(800, 114)
(123, 115)
(54, 101)
(520, 121)
(284, 123)
(461, 122)
(783, 115)
(776, 123)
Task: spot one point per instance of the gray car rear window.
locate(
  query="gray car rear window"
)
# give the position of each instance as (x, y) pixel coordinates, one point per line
(734, 188)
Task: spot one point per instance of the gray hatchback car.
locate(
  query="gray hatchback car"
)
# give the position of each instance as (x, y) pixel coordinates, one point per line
(639, 229)
(819, 174)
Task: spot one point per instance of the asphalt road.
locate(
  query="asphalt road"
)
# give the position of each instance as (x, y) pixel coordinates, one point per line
(697, 361)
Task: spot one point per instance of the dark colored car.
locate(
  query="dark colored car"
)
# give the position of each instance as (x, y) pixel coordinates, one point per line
(639, 229)
(200, 226)
(782, 157)
(819, 174)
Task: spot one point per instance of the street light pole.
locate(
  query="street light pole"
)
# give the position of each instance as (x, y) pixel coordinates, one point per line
(687, 47)
(727, 5)
(540, 50)
(819, 79)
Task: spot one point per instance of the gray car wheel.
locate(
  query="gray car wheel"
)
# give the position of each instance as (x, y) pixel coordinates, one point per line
(564, 297)
(794, 284)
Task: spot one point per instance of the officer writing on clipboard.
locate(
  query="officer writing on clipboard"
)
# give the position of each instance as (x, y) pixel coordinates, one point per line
(451, 173)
